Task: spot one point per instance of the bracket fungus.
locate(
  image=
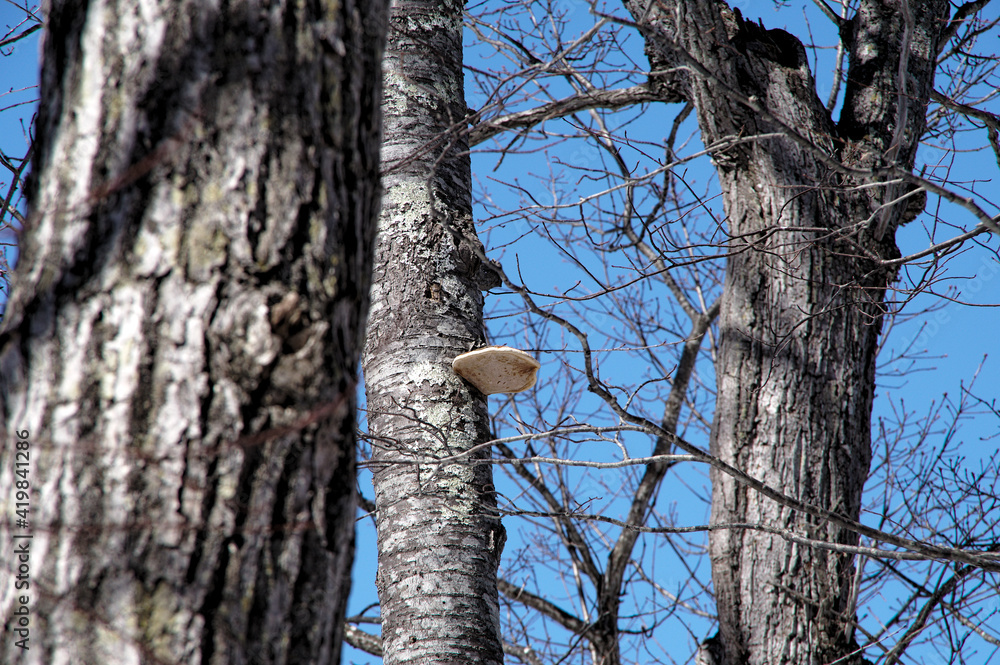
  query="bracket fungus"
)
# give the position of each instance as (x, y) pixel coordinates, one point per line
(497, 369)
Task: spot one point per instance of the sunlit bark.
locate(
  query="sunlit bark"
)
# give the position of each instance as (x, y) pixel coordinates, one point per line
(439, 537)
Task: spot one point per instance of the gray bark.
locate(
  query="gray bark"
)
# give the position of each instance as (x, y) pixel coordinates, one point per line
(180, 348)
(802, 303)
(439, 536)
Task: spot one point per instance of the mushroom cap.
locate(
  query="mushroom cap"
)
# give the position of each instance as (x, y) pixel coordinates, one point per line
(497, 369)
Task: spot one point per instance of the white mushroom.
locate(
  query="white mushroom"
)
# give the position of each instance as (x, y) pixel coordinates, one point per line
(497, 369)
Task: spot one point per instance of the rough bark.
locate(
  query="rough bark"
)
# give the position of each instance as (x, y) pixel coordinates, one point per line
(801, 310)
(180, 349)
(439, 536)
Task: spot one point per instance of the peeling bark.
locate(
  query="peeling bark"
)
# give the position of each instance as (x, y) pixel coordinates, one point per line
(439, 535)
(182, 338)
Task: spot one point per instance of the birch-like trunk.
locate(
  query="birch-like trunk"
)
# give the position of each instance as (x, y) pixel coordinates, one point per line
(180, 348)
(439, 536)
(802, 304)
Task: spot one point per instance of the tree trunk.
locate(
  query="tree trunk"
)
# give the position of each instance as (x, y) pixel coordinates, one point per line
(439, 536)
(180, 350)
(802, 303)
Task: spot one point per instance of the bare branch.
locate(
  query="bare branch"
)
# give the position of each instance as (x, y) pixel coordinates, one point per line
(573, 536)
(918, 624)
(551, 610)
(959, 17)
(21, 35)
(607, 99)
(989, 561)
(830, 14)
(991, 120)
(522, 653)
(359, 639)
